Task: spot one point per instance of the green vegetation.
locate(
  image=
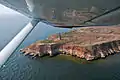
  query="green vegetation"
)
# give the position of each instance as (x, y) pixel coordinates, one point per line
(45, 41)
(71, 58)
(68, 33)
(78, 60)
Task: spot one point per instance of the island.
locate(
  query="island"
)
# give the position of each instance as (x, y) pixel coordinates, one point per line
(90, 43)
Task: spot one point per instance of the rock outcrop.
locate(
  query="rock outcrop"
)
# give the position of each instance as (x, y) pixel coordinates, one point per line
(88, 43)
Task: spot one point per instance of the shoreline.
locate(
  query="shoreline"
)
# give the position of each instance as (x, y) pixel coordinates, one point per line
(88, 43)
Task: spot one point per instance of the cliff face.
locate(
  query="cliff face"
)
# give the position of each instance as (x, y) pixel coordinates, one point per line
(88, 43)
(39, 49)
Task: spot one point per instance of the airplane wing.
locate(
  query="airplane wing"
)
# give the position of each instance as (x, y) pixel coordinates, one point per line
(69, 12)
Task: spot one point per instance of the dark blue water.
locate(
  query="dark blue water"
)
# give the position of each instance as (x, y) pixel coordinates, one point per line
(20, 67)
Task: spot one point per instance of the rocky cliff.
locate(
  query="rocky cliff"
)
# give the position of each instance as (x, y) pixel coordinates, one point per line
(89, 43)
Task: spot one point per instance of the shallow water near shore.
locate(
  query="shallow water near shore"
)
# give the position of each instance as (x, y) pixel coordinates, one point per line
(20, 67)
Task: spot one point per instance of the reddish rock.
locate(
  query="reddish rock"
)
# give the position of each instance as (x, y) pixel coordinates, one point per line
(88, 43)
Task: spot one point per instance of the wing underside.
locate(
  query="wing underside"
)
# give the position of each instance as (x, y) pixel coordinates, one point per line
(69, 12)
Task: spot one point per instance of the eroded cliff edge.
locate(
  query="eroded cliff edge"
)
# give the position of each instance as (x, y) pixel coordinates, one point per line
(88, 43)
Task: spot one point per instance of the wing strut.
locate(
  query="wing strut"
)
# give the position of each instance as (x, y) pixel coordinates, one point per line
(16, 41)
